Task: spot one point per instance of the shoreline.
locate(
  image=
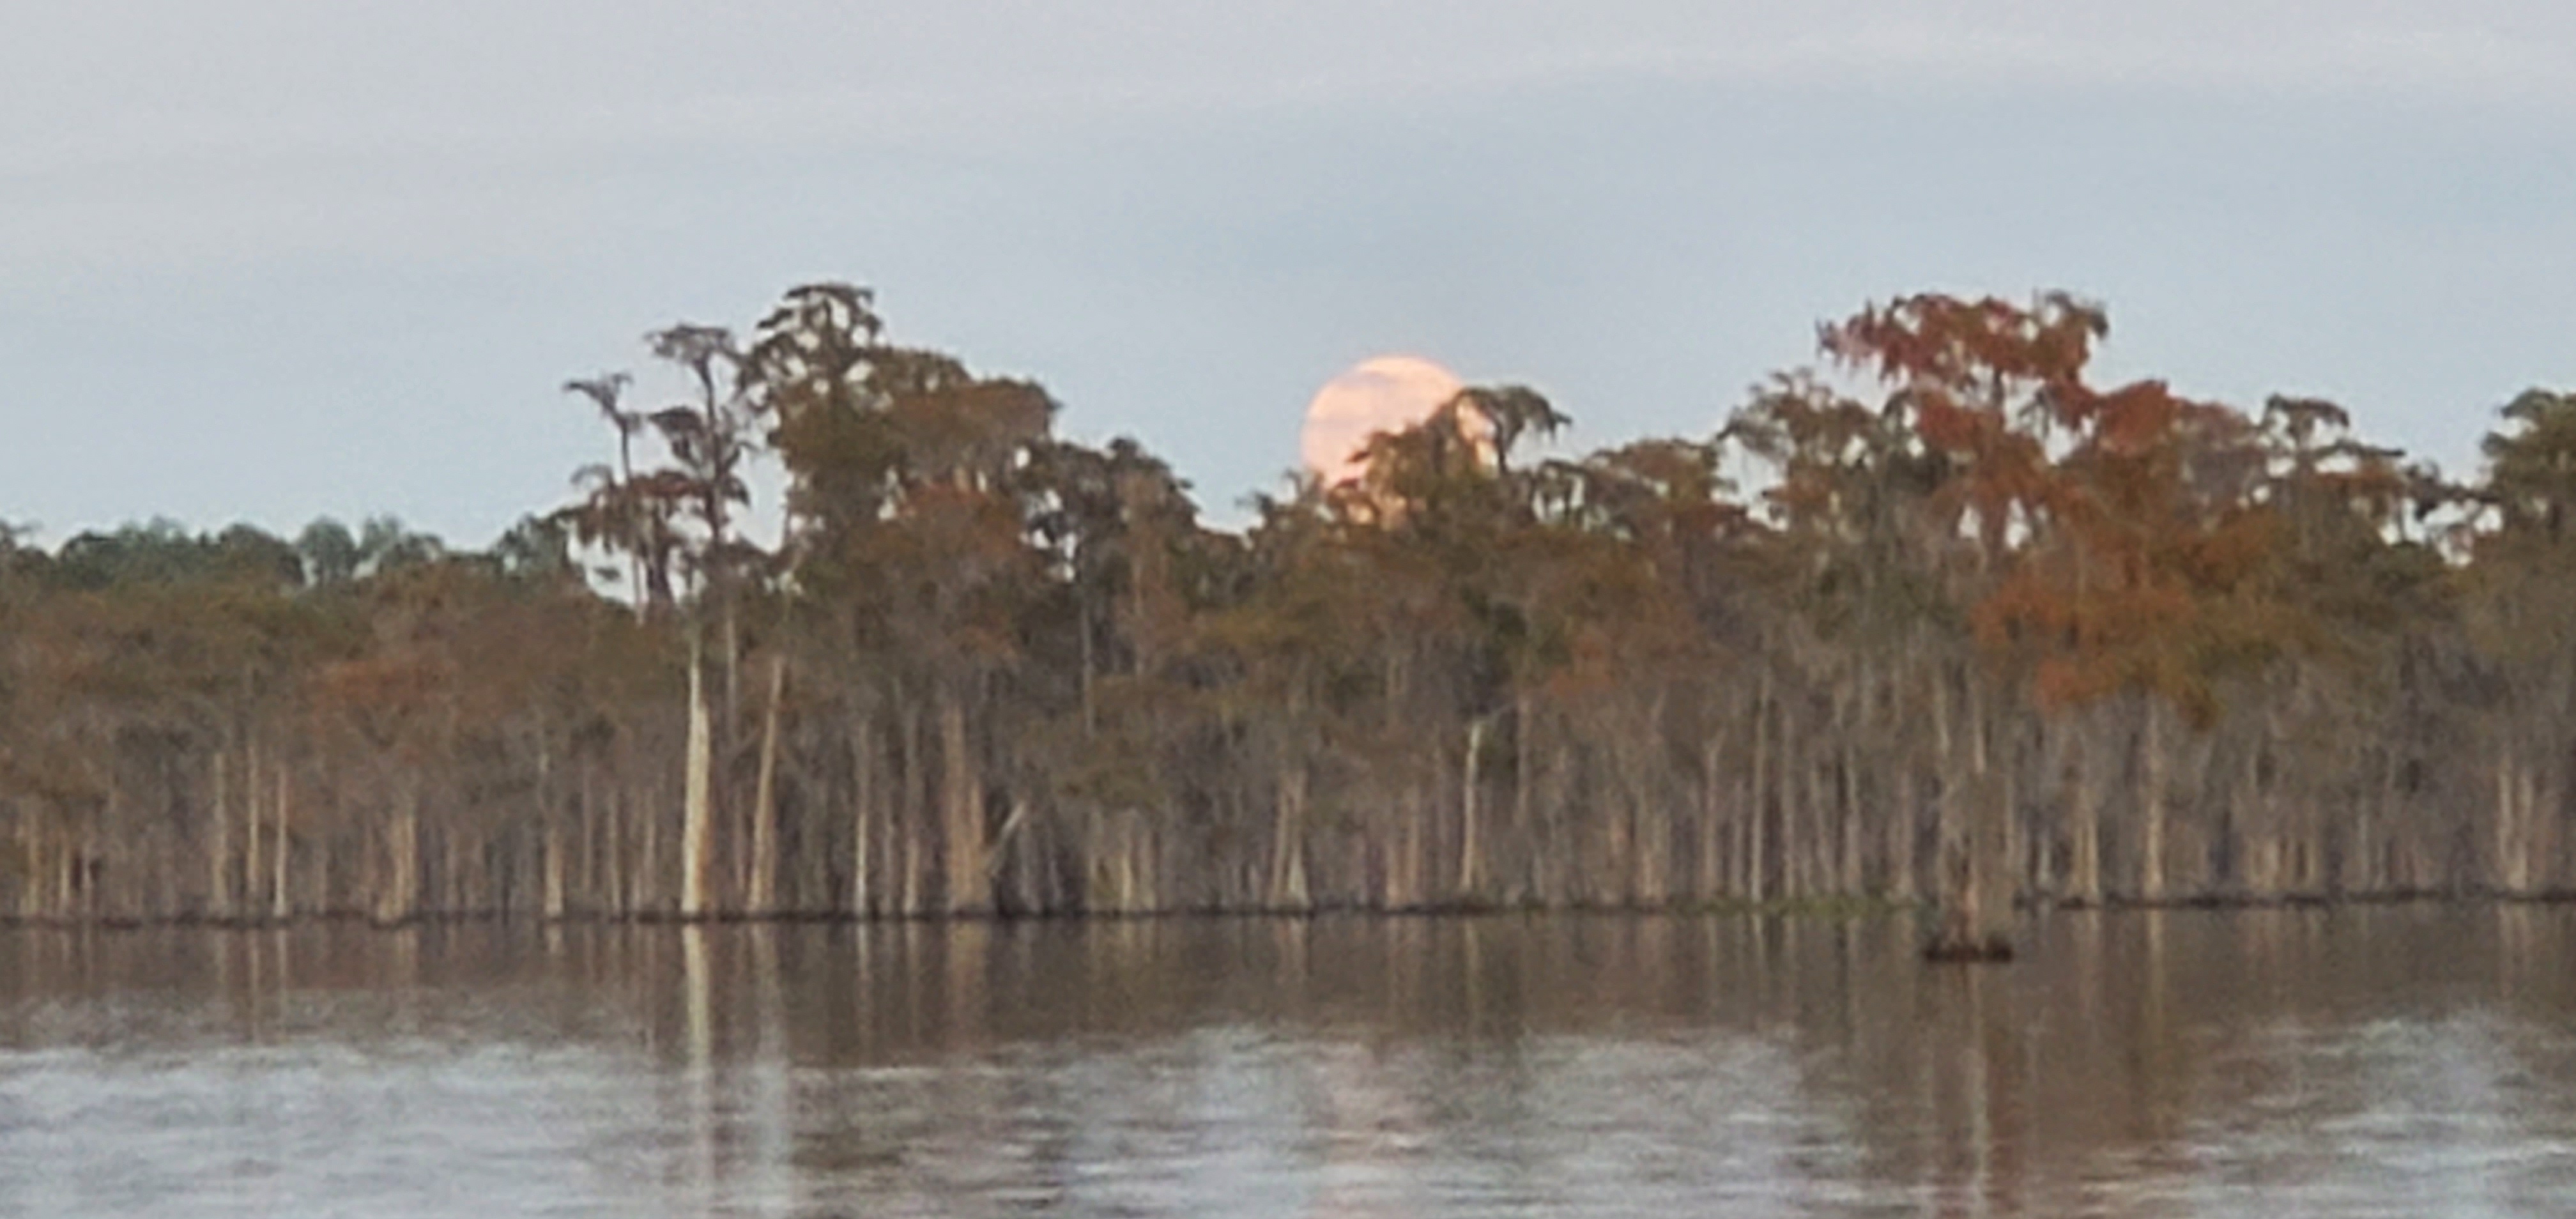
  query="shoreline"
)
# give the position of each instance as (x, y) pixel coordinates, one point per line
(1805, 910)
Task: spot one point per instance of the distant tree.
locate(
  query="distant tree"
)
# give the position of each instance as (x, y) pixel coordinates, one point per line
(536, 549)
(329, 552)
(620, 512)
(250, 555)
(161, 551)
(386, 545)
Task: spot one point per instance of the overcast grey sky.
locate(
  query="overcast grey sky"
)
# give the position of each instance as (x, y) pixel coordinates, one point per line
(267, 259)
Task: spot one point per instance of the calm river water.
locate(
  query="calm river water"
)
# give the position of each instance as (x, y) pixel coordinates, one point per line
(2389, 1061)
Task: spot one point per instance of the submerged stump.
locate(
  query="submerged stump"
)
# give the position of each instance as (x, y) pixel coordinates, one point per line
(1967, 948)
(1971, 927)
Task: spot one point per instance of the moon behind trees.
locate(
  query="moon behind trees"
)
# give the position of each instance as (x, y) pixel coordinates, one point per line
(1381, 394)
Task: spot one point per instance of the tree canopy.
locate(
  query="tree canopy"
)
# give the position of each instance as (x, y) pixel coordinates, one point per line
(1940, 613)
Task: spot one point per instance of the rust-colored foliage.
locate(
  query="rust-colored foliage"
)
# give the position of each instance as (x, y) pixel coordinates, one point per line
(987, 668)
(2120, 544)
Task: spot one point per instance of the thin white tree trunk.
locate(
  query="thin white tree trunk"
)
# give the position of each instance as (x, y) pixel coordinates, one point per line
(281, 899)
(697, 844)
(764, 801)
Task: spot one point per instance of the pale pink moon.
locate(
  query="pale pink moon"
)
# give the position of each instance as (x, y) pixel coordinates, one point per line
(1383, 394)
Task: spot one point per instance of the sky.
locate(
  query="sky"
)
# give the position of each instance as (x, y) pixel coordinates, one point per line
(265, 260)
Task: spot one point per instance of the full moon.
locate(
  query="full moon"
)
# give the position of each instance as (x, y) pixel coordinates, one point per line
(1383, 394)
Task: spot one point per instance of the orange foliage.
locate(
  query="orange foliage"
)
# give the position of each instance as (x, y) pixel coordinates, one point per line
(2129, 558)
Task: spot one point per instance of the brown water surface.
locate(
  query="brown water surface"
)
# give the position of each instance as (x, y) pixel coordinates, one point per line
(2359, 1062)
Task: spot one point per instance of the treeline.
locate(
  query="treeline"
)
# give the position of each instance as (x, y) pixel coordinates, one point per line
(1944, 618)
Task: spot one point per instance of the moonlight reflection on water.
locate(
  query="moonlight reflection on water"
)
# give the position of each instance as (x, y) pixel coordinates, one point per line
(2390, 1061)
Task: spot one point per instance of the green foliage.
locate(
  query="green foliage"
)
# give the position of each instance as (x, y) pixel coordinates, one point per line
(163, 552)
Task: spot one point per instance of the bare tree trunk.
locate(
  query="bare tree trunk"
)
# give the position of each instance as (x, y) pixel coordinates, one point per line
(764, 801)
(1976, 798)
(1791, 842)
(1998, 825)
(1850, 818)
(557, 874)
(1007, 870)
(1469, 849)
(1524, 748)
(458, 897)
(621, 868)
(2511, 842)
(1903, 862)
(254, 871)
(644, 878)
(962, 798)
(280, 897)
(1288, 842)
(863, 818)
(909, 816)
(1753, 859)
(219, 850)
(697, 839)
(2084, 814)
(328, 871)
(399, 898)
(31, 852)
(1710, 878)
(2152, 786)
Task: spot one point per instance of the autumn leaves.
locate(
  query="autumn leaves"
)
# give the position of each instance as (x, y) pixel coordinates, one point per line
(1937, 619)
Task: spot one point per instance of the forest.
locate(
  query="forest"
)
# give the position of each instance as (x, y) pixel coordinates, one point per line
(1936, 618)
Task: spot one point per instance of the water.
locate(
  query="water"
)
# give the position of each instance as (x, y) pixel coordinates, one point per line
(2393, 1061)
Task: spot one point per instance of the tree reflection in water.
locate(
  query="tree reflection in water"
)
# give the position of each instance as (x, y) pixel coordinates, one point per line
(2357, 1061)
